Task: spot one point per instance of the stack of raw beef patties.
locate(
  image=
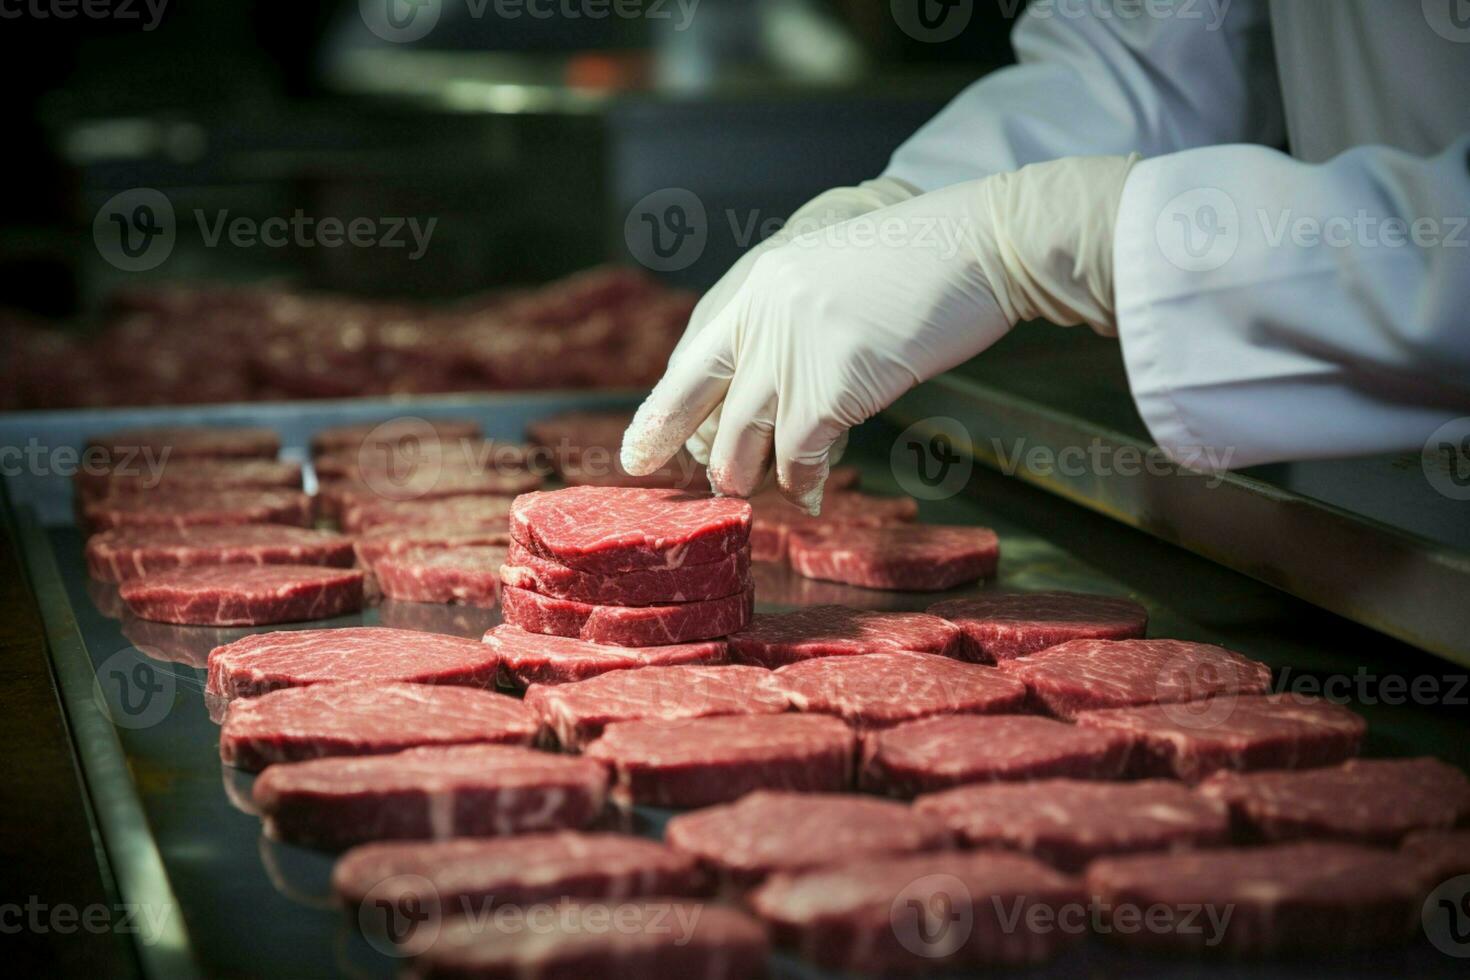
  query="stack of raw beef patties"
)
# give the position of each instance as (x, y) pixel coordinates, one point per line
(628, 567)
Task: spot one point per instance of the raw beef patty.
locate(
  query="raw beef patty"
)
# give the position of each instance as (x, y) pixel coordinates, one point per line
(1374, 801)
(878, 690)
(241, 595)
(879, 916)
(299, 658)
(713, 760)
(1083, 674)
(298, 723)
(775, 518)
(608, 530)
(428, 794)
(1191, 741)
(905, 557)
(482, 511)
(393, 539)
(128, 553)
(769, 831)
(472, 874)
(535, 658)
(1005, 625)
(578, 712)
(191, 474)
(464, 575)
(648, 587)
(774, 639)
(652, 938)
(1069, 822)
(1309, 897)
(629, 626)
(187, 508)
(185, 441)
(936, 753)
(393, 432)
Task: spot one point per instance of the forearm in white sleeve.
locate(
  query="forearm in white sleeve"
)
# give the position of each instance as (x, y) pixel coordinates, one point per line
(1109, 78)
(1273, 310)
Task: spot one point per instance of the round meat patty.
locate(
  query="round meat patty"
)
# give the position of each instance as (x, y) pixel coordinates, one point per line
(478, 510)
(1373, 801)
(879, 690)
(902, 557)
(471, 874)
(298, 658)
(1192, 740)
(647, 587)
(1081, 675)
(431, 793)
(1307, 897)
(701, 761)
(652, 938)
(464, 575)
(393, 539)
(1069, 822)
(536, 658)
(1005, 625)
(392, 432)
(187, 508)
(128, 553)
(925, 911)
(180, 441)
(297, 723)
(610, 530)
(578, 712)
(244, 595)
(774, 639)
(187, 474)
(628, 626)
(769, 831)
(937, 753)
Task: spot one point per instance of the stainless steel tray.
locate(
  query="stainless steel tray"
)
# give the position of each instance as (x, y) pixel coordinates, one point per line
(228, 902)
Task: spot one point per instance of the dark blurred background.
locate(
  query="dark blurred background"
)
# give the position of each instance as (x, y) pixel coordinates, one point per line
(529, 129)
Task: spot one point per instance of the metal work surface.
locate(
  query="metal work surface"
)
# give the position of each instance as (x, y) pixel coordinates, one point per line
(1367, 539)
(175, 823)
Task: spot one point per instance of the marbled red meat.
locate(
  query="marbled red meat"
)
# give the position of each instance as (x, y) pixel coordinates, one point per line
(241, 595)
(775, 639)
(629, 626)
(901, 557)
(297, 723)
(536, 658)
(132, 552)
(1005, 625)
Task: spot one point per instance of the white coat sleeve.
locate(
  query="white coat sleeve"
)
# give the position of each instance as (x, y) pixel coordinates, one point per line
(1100, 79)
(1274, 310)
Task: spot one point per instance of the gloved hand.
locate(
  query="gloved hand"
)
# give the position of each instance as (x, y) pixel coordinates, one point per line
(828, 208)
(830, 327)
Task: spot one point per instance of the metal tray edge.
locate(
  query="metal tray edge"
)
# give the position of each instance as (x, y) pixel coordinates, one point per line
(161, 942)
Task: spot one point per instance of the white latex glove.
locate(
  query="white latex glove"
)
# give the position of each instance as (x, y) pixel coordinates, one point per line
(831, 326)
(828, 208)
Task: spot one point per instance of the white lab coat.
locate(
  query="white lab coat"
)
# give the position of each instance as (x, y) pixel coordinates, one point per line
(1270, 307)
